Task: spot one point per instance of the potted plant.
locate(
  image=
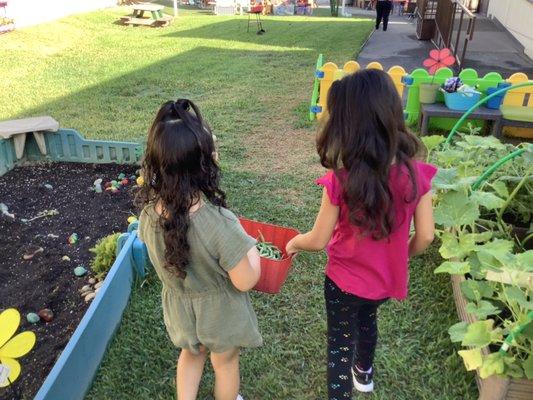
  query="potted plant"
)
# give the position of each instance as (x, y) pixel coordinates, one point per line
(437, 59)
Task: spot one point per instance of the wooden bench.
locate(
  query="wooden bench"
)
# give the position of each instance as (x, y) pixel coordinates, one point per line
(19, 128)
(440, 110)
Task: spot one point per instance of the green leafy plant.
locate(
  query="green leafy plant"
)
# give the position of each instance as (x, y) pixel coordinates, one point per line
(104, 255)
(477, 243)
(461, 164)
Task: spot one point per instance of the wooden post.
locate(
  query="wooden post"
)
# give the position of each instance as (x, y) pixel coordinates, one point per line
(175, 8)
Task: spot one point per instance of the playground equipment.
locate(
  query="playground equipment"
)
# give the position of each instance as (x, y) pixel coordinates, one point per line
(517, 104)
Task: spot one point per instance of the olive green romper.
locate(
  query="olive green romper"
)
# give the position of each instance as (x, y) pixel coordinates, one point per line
(204, 308)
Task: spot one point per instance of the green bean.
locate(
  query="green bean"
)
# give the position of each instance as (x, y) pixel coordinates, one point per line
(268, 250)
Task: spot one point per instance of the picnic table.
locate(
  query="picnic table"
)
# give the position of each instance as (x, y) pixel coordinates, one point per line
(156, 11)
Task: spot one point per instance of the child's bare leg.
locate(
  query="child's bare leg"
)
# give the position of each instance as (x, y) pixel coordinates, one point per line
(227, 380)
(189, 373)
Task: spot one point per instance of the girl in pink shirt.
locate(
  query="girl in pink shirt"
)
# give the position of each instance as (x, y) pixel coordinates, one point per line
(374, 189)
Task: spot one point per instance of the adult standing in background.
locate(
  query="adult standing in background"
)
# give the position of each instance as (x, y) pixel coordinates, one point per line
(383, 9)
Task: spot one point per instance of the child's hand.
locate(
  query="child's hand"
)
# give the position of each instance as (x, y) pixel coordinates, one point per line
(291, 248)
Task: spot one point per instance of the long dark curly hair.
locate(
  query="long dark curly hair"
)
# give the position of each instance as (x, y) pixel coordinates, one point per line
(178, 168)
(363, 135)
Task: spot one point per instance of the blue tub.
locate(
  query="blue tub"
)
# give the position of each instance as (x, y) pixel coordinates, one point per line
(461, 101)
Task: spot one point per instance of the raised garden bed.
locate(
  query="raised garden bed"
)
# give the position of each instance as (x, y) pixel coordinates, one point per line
(488, 258)
(47, 280)
(492, 388)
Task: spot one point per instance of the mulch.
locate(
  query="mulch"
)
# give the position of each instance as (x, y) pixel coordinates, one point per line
(47, 281)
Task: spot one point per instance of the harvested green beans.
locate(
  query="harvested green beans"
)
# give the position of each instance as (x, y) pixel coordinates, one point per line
(268, 250)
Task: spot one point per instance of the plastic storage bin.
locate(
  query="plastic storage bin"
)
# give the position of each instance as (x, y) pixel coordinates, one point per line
(461, 101)
(273, 272)
(495, 102)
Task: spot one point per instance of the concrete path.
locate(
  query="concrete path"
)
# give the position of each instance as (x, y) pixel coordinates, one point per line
(397, 46)
(493, 48)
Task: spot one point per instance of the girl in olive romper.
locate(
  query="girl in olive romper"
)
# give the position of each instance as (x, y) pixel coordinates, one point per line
(198, 249)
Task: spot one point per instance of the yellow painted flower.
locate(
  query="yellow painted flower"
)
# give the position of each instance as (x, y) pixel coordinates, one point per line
(12, 347)
(140, 181)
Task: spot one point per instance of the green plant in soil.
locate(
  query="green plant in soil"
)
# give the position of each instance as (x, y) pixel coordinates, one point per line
(470, 155)
(105, 252)
(477, 242)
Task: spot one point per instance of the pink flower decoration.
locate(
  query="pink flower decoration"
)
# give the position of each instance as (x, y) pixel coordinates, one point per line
(439, 59)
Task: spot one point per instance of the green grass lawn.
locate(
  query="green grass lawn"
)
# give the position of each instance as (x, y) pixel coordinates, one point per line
(108, 80)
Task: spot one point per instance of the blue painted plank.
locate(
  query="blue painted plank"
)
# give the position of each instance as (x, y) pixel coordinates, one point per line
(72, 374)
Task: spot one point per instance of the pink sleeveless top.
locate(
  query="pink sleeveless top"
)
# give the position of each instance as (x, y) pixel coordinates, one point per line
(368, 268)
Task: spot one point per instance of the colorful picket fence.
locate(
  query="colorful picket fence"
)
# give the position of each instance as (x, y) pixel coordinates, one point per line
(408, 88)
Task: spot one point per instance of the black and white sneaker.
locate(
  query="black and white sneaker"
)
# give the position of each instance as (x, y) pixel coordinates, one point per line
(362, 380)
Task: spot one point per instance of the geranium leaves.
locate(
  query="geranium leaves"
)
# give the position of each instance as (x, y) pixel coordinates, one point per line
(472, 358)
(498, 285)
(528, 367)
(482, 309)
(462, 245)
(487, 200)
(432, 142)
(456, 209)
(457, 332)
(478, 334)
(453, 268)
(476, 290)
(492, 365)
(496, 253)
(514, 294)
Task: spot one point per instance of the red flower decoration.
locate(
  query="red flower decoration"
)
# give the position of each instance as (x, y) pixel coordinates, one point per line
(439, 59)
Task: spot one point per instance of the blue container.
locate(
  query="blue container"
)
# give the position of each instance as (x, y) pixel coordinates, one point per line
(461, 101)
(495, 102)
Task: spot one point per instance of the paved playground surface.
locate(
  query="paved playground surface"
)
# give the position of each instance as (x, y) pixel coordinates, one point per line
(492, 48)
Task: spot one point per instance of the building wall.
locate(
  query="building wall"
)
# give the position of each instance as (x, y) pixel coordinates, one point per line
(33, 12)
(517, 17)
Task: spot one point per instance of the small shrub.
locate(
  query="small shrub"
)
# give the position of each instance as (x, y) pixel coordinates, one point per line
(104, 255)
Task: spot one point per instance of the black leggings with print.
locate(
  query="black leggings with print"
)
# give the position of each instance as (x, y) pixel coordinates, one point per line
(352, 337)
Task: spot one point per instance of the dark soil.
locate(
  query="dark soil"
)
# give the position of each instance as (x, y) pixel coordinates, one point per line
(47, 281)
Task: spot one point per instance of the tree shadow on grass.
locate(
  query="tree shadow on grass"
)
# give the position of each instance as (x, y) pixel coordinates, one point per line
(312, 32)
(123, 107)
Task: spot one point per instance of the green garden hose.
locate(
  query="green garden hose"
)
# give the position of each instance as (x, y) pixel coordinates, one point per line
(480, 102)
(494, 167)
(514, 333)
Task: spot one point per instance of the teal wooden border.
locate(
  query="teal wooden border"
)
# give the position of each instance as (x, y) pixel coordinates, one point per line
(8, 160)
(73, 373)
(68, 145)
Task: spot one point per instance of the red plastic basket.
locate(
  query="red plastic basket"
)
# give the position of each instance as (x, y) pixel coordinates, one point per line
(273, 272)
